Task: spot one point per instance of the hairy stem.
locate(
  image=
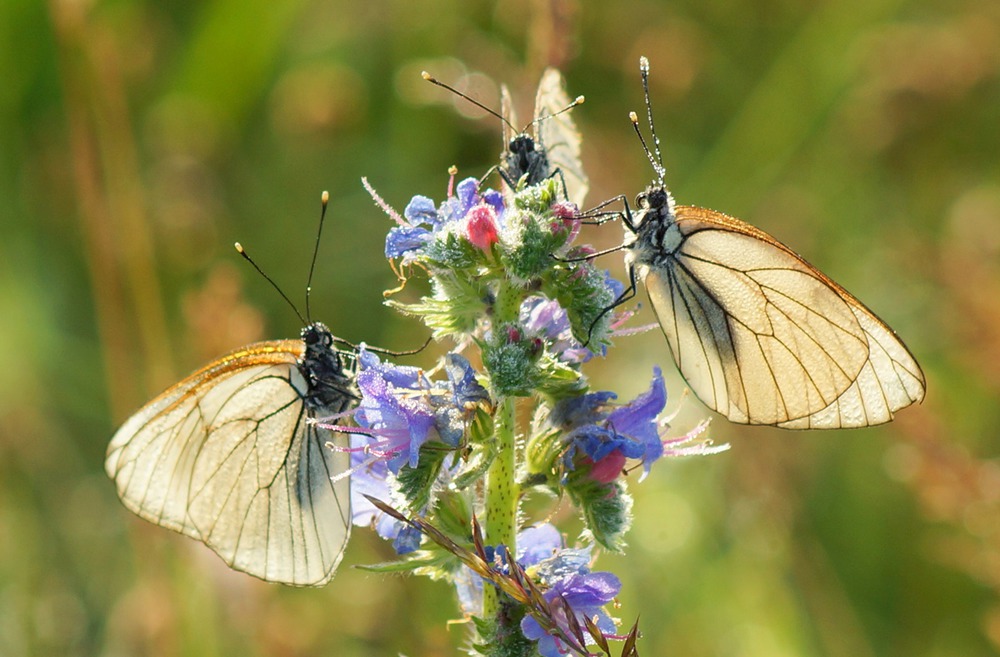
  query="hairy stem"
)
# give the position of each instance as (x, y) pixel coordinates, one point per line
(501, 496)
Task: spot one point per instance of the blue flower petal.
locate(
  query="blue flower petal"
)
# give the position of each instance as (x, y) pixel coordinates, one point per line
(463, 381)
(404, 239)
(537, 543)
(421, 210)
(407, 540)
(494, 198)
(467, 193)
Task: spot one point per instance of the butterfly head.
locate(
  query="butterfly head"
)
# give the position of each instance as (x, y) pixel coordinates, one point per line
(524, 156)
(656, 206)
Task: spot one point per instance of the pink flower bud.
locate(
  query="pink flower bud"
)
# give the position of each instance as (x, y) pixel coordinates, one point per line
(609, 468)
(482, 226)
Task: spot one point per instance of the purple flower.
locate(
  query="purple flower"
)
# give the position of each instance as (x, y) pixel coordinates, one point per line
(534, 545)
(398, 421)
(566, 574)
(422, 221)
(605, 436)
(370, 477)
(547, 319)
(401, 408)
(583, 595)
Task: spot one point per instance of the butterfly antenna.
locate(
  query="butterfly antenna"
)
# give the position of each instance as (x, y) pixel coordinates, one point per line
(644, 70)
(246, 256)
(657, 167)
(427, 76)
(325, 199)
(579, 101)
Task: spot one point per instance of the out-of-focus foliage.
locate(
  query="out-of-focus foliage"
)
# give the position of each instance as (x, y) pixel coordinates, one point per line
(139, 139)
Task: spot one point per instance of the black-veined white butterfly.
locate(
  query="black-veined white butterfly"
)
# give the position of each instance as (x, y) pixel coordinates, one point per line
(230, 457)
(553, 148)
(759, 334)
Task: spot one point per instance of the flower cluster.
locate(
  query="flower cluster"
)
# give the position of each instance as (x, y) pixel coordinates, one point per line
(524, 308)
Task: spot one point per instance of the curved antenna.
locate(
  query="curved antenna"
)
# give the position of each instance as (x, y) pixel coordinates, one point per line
(246, 256)
(427, 76)
(324, 198)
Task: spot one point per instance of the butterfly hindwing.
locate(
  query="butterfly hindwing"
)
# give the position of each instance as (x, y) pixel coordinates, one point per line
(228, 456)
(763, 337)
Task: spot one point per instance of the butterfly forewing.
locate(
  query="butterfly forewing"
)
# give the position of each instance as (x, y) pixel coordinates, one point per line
(763, 337)
(556, 132)
(227, 456)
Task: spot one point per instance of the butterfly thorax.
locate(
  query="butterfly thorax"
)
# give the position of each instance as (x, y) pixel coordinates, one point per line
(331, 389)
(656, 234)
(524, 157)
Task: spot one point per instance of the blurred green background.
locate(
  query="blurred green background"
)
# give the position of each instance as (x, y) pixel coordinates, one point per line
(140, 139)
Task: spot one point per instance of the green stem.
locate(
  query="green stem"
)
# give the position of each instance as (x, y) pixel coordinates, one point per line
(501, 496)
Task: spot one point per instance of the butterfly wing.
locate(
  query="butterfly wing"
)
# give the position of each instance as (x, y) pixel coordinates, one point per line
(557, 134)
(226, 456)
(763, 337)
(507, 112)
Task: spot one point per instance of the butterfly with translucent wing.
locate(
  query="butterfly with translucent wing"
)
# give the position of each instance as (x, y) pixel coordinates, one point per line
(552, 150)
(230, 456)
(759, 334)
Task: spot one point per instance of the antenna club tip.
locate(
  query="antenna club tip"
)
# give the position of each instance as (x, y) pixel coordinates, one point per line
(579, 100)
(425, 75)
(325, 197)
(644, 64)
(239, 247)
(633, 117)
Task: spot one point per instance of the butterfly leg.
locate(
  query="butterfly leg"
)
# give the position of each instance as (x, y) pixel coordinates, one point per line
(627, 294)
(597, 215)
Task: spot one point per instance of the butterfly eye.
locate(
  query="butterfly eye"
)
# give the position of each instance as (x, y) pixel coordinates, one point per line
(313, 336)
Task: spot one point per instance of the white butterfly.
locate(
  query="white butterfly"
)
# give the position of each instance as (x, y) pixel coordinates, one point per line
(759, 334)
(228, 456)
(555, 148)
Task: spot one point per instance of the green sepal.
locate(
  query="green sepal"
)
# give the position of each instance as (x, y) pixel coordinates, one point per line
(606, 508)
(511, 362)
(582, 290)
(455, 307)
(452, 252)
(416, 483)
(529, 253)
